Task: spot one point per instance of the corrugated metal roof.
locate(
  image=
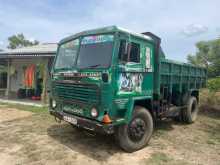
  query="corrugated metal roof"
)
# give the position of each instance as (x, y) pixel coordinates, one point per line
(46, 49)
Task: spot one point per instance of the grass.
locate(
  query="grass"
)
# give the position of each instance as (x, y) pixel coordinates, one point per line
(40, 114)
(208, 97)
(214, 135)
(160, 158)
(173, 143)
(29, 108)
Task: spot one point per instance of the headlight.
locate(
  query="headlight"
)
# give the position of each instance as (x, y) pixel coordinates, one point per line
(94, 112)
(54, 104)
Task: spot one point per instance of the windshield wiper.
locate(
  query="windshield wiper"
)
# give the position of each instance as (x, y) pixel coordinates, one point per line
(94, 66)
(64, 68)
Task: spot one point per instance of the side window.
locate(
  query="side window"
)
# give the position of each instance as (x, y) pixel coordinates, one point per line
(129, 52)
(123, 55)
(134, 53)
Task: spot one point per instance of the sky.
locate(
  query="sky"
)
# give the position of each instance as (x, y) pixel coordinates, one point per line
(180, 24)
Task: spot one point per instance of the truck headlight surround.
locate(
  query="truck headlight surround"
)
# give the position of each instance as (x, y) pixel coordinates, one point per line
(94, 112)
(53, 104)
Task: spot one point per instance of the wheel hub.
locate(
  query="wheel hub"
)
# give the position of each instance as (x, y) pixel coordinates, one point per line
(136, 129)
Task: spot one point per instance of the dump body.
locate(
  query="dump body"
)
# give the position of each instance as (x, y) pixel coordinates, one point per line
(180, 78)
(99, 76)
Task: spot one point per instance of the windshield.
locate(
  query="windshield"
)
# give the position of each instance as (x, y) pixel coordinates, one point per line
(95, 51)
(67, 53)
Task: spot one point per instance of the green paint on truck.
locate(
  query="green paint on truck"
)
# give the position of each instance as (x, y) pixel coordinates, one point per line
(111, 80)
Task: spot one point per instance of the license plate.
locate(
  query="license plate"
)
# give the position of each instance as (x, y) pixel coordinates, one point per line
(70, 119)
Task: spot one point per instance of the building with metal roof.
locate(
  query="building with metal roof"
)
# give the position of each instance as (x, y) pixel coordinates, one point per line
(24, 72)
(45, 49)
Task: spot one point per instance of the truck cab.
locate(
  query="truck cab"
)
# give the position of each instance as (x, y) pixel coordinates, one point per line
(107, 80)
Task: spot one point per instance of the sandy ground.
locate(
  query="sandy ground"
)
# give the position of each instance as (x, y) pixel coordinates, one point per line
(35, 138)
(9, 114)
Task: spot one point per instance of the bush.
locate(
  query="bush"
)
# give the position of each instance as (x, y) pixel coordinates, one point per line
(209, 98)
(214, 84)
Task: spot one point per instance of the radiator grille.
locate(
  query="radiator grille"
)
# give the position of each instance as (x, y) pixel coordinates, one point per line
(72, 92)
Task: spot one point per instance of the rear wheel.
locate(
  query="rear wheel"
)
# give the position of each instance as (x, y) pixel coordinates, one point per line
(189, 114)
(137, 133)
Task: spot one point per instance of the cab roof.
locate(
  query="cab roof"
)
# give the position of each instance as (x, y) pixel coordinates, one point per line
(108, 29)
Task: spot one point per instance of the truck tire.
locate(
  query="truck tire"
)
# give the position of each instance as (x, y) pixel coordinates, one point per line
(190, 113)
(137, 133)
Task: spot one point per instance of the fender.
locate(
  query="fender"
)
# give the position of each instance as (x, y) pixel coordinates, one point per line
(131, 105)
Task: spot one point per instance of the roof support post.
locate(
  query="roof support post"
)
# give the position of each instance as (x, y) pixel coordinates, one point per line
(7, 93)
(44, 95)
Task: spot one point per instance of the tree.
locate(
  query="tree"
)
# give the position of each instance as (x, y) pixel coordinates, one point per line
(18, 41)
(207, 55)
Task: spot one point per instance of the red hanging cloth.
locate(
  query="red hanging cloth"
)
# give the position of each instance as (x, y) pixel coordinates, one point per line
(29, 76)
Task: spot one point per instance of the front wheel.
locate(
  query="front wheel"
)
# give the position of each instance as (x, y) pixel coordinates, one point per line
(137, 133)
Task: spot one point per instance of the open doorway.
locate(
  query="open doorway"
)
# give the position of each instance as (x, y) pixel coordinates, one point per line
(32, 82)
(3, 80)
(3, 77)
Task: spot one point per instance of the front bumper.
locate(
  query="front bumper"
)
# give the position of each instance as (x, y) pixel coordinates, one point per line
(87, 124)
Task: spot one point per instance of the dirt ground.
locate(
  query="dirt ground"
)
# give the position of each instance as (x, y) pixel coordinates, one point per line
(35, 138)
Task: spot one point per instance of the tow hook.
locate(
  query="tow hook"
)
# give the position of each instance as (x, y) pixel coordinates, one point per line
(57, 119)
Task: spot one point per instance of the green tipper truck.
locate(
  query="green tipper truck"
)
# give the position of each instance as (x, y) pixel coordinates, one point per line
(113, 81)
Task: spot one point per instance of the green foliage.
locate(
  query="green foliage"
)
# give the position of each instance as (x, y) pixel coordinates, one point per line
(208, 55)
(214, 84)
(18, 41)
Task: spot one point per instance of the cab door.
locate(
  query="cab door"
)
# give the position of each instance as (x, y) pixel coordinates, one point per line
(130, 67)
(134, 67)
